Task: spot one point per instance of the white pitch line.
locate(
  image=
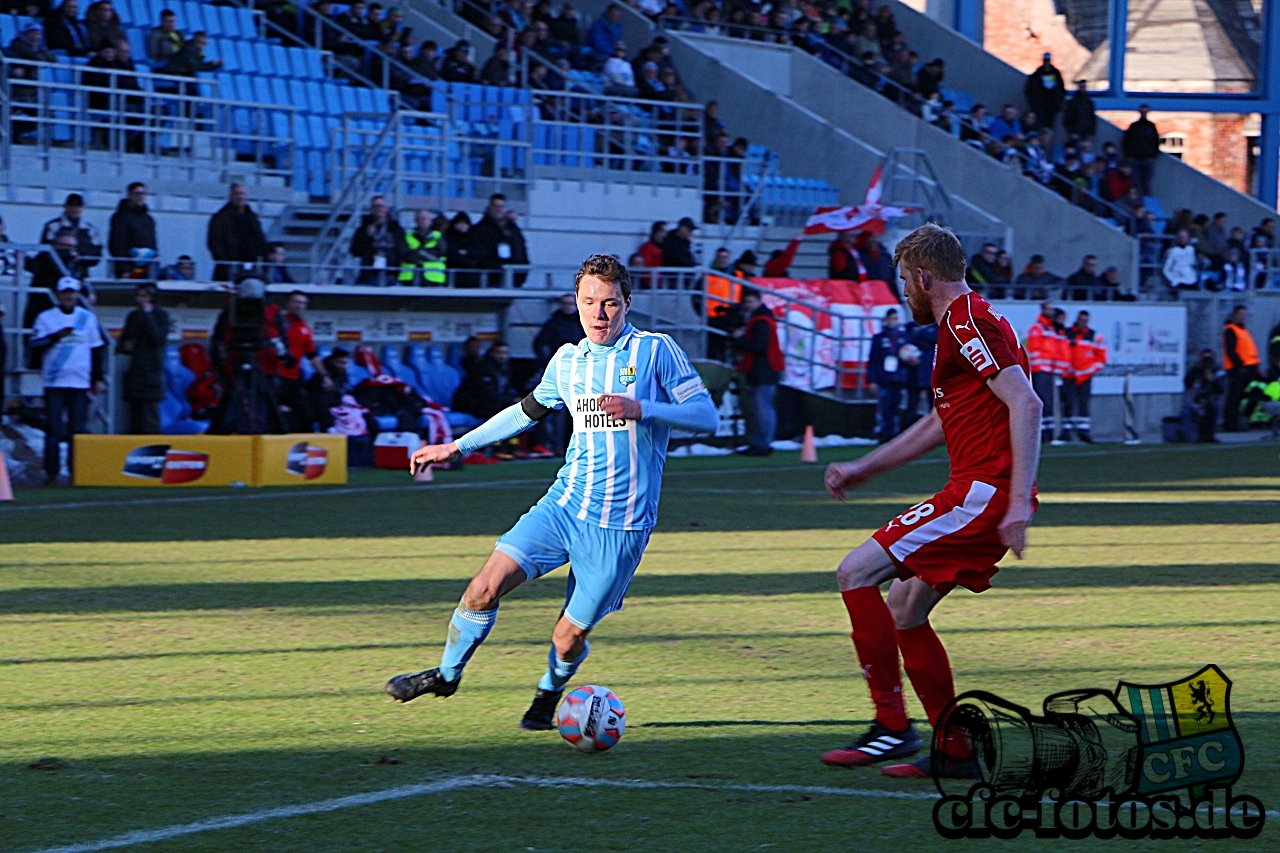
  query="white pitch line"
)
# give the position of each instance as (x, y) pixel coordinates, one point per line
(147, 836)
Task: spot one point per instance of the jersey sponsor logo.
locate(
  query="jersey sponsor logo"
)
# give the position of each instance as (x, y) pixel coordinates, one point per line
(964, 327)
(306, 461)
(978, 354)
(687, 389)
(590, 416)
(627, 375)
(170, 467)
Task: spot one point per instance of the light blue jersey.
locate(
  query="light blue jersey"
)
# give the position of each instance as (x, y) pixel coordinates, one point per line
(612, 476)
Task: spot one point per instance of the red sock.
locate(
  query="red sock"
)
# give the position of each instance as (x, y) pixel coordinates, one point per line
(926, 663)
(875, 639)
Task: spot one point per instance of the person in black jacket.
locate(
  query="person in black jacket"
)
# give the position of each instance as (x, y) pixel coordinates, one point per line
(146, 330)
(88, 242)
(1141, 144)
(486, 389)
(920, 374)
(496, 241)
(677, 247)
(63, 31)
(1079, 118)
(459, 258)
(378, 243)
(563, 327)
(190, 60)
(47, 268)
(760, 361)
(235, 237)
(131, 239)
(1045, 93)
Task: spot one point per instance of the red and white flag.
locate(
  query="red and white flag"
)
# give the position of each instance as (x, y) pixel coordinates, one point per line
(870, 216)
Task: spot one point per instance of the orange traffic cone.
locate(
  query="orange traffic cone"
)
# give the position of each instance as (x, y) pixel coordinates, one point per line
(6, 489)
(808, 451)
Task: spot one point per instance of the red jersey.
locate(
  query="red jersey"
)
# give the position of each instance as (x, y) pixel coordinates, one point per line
(974, 344)
(297, 338)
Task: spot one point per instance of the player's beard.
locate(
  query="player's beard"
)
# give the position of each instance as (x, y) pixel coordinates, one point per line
(920, 307)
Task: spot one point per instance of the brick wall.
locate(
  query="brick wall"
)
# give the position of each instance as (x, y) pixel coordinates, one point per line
(1021, 31)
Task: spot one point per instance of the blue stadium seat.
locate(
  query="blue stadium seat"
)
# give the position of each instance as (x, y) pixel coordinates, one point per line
(439, 380)
(314, 64)
(278, 65)
(298, 63)
(394, 364)
(331, 93)
(315, 97)
(350, 99)
(280, 91)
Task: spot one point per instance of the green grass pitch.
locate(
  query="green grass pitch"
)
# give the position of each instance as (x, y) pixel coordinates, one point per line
(172, 661)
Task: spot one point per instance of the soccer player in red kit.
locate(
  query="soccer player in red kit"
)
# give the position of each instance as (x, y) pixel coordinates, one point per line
(987, 414)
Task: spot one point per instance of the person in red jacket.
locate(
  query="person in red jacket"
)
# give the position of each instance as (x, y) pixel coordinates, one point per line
(651, 249)
(760, 360)
(1050, 360)
(843, 261)
(1088, 355)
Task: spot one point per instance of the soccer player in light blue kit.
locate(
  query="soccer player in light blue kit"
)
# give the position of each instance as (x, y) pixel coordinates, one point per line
(626, 389)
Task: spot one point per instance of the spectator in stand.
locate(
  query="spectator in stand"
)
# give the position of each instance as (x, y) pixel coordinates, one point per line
(1045, 92)
(497, 69)
(842, 257)
(929, 77)
(565, 29)
(1236, 240)
(422, 261)
(677, 246)
(651, 249)
(164, 41)
(131, 239)
(146, 330)
(377, 243)
(47, 269)
(1080, 120)
(745, 265)
(714, 180)
(1203, 386)
(1179, 266)
(459, 257)
(1111, 286)
(1258, 252)
(29, 45)
(486, 388)
(1118, 181)
(1084, 283)
(977, 127)
(1006, 124)
(497, 241)
(722, 260)
(982, 269)
(235, 238)
(184, 269)
(325, 389)
(562, 328)
(887, 375)
(620, 80)
(1035, 281)
(116, 57)
(103, 25)
(1267, 231)
(867, 42)
(88, 241)
(64, 30)
(712, 126)
(1240, 358)
(293, 330)
(426, 61)
(1141, 145)
(761, 363)
(70, 346)
(1234, 275)
(878, 263)
(456, 67)
(354, 20)
(1213, 245)
(275, 271)
(606, 31)
(650, 84)
(190, 60)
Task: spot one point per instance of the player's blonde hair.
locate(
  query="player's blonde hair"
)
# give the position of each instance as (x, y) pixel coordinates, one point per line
(933, 248)
(606, 268)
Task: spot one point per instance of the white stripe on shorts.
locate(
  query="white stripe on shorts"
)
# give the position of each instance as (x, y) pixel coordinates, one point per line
(975, 502)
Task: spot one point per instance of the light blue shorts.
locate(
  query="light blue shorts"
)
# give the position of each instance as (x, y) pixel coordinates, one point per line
(602, 561)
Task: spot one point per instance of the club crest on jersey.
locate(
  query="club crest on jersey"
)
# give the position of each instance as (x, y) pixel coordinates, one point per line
(627, 375)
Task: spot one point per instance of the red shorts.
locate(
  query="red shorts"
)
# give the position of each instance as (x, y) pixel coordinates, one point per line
(950, 539)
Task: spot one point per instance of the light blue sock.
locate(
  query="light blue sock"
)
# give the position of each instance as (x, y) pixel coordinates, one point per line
(467, 630)
(560, 671)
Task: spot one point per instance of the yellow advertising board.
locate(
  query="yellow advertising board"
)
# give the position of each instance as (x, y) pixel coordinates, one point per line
(163, 460)
(300, 459)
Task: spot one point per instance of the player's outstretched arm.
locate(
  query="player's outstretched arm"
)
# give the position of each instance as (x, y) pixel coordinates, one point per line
(1014, 390)
(508, 423)
(915, 441)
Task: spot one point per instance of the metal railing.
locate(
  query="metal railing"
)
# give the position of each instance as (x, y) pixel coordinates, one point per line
(86, 115)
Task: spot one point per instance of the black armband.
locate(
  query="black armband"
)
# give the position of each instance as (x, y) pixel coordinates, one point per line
(535, 410)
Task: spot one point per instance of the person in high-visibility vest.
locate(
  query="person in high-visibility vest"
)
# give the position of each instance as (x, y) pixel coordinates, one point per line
(424, 256)
(1088, 355)
(1240, 358)
(1049, 354)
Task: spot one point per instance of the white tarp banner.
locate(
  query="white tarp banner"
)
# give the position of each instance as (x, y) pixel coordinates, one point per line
(1149, 341)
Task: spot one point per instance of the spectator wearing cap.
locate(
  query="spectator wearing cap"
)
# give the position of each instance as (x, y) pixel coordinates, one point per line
(677, 247)
(1035, 281)
(88, 241)
(64, 30)
(146, 330)
(29, 45)
(1141, 145)
(69, 345)
(1045, 92)
(47, 269)
(457, 67)
(1080, 120)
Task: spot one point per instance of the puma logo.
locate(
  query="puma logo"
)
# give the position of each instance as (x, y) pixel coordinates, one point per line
(964, 326)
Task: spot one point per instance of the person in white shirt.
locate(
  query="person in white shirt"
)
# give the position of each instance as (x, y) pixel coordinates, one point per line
(1180, 268)
(620, 77)
(69, 342)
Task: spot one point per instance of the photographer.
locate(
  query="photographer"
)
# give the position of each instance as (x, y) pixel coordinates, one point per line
(289, 326)
(241, 345)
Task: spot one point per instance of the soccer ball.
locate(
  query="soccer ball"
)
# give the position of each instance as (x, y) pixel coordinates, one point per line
(592, 718)
(909, 354)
